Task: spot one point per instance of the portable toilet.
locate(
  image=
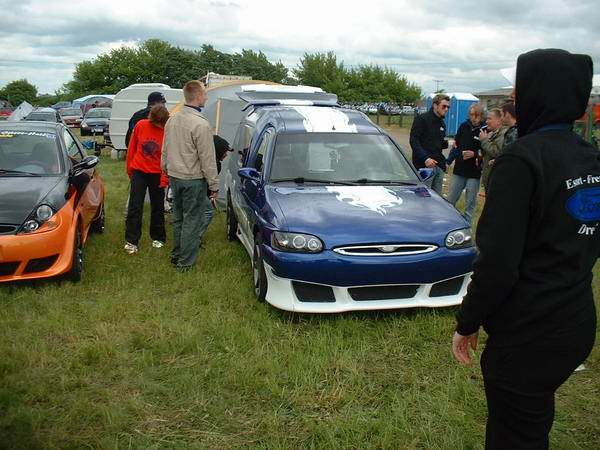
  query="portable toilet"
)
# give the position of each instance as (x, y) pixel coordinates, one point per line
(460, 103)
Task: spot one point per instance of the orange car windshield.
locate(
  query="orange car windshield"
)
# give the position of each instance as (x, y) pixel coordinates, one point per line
(29, 152)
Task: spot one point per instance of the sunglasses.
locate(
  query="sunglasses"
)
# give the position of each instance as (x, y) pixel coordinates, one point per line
(444, 106)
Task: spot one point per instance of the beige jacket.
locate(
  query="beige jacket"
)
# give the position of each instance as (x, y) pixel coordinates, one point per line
(188, 148)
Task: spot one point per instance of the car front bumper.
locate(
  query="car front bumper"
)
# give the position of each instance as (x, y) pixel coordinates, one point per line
(39, 255)
(327, 282)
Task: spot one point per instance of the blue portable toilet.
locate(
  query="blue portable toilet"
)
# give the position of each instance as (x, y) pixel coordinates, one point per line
(460, 103)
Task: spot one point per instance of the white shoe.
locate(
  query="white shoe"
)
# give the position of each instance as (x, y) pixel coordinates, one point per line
(158, 244)
(130, 248)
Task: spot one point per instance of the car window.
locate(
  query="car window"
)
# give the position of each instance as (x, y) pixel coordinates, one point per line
(29, 151)
(339, 157)
(98, 114)
(259, 159)
(72, 149)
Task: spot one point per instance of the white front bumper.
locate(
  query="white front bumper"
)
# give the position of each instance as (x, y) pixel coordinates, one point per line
(280, 293)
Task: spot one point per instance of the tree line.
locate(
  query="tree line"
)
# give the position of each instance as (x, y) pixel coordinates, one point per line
(157, 61)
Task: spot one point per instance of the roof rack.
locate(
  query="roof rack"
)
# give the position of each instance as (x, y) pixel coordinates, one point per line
(264, 95)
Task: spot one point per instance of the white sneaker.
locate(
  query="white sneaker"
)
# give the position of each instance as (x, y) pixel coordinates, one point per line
(130, 248)
(158, 244)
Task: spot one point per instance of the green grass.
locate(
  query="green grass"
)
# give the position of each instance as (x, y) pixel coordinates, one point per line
(137, 356)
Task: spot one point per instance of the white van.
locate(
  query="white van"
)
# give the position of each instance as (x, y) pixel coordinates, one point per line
(132, 99)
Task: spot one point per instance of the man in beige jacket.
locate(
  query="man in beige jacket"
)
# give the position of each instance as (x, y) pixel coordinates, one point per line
(188, 158)
(492, 141)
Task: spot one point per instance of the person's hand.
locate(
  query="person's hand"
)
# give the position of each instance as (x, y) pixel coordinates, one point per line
(468, 154)
(491, 162)
(460, 347)
(483, 135)
(213, 194)
(430, 163)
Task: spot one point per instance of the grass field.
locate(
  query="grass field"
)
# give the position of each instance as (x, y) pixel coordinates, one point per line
(138, 356)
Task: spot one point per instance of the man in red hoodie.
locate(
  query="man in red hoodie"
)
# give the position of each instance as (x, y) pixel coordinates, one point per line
(143, 167)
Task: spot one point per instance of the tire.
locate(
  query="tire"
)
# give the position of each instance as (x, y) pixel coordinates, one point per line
(258, 270)
(76, 271)
(97, 225)
(232, 224)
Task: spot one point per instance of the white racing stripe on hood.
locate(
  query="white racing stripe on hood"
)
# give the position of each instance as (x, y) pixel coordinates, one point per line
(322, 119)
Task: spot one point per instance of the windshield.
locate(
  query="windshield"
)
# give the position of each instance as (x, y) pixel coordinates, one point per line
(98, 114)
(29, 152)
(339, 157)
(70, 112)
(45, 116)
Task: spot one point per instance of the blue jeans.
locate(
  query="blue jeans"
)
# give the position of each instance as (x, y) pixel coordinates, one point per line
(436, 182)
(207, 215)
(471, 186)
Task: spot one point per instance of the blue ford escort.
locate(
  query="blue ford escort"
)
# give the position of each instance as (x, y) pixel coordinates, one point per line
(334, 216)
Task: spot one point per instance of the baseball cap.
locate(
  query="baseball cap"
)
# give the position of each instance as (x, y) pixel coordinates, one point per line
(156, 97)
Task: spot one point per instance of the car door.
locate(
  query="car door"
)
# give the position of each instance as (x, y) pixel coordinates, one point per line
(90, 197)
(253, 190)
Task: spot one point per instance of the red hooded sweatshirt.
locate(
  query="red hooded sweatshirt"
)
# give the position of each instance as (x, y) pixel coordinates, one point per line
(145, 149)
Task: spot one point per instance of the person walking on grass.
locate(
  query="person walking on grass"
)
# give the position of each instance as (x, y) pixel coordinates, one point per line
(466, 168)
(143, 168)
(538, 240)
(427, 140)
(189, 160)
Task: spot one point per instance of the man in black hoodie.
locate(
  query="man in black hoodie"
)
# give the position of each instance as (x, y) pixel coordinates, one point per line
(538, 239)
(427, 140)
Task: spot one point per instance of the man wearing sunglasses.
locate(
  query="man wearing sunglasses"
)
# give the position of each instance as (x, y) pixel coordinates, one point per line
(427, 140)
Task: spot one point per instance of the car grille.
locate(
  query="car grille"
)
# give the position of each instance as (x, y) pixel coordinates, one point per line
(383, 292)
(386, 249)
(8, 229)
(8, 268)
(448, 287)
(309, 292)
(40, 264)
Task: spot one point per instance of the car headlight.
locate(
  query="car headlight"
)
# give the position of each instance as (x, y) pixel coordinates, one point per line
(459, 239)
(41, 215)
(296, 242)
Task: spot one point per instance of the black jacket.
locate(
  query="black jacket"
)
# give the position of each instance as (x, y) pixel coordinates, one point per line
(427, 139)
(137, 116)
(466, 140)
(539, 233)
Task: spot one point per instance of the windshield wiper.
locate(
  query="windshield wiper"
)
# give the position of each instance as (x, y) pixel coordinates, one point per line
(19, 172)
(302, 180)
(369, 181)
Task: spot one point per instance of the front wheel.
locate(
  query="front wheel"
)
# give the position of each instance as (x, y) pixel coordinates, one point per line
(76, 271)
(258, 270)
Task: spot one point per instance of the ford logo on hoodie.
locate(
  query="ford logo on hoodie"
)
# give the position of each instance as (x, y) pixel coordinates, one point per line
(584, 205)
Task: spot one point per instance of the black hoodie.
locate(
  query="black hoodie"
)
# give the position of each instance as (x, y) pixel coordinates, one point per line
(539, 232)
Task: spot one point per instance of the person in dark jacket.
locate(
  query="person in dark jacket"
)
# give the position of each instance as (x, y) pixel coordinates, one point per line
(467, 171)
(154, 98)
(509, 119)
(538, 240)
(427, 140)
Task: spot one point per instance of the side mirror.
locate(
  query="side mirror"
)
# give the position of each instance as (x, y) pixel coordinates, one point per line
(425, 174)
(87, 163)
(248, 173)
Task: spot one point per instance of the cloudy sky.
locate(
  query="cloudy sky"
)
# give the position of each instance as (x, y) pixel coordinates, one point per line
(463, 43)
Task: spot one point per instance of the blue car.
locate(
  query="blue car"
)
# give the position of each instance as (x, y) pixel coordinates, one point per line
(335, 218)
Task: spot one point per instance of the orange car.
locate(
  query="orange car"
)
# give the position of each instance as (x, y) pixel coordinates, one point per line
(51, 196)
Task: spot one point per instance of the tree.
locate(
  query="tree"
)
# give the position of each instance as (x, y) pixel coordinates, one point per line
(19, 91)
(322, 70)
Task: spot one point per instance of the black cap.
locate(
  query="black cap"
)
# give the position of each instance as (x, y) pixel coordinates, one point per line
(156, 97)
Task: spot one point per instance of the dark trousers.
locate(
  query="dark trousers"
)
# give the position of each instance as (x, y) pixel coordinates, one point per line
(140, 182)
(520, 383)
(189, 200)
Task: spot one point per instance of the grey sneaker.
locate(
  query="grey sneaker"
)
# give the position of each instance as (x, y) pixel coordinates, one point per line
(131, 248)
(158, 244)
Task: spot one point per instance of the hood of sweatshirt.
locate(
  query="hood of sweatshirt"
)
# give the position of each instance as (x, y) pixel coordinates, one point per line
(552, 87)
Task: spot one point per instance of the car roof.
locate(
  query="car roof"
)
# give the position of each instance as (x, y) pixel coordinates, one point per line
(31, 125)
(313, 119)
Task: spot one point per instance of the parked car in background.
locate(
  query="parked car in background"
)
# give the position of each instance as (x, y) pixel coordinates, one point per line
(5, 112)
(44, 115)
(51, 197)
(71, 116)
(61, 105)
(95, 121)
(334, 216)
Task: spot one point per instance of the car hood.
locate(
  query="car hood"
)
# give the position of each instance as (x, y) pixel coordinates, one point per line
(346, 215)
(19, 195)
